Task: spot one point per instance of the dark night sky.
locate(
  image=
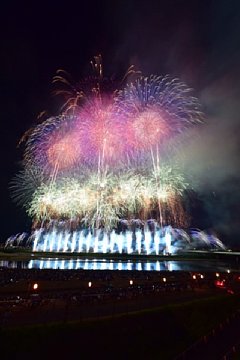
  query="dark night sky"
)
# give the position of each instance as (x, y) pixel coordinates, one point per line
(195, 40)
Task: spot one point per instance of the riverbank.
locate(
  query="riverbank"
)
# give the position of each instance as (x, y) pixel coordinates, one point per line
(22, 254)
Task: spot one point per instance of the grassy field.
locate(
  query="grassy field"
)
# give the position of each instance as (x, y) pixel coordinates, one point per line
(149, 334)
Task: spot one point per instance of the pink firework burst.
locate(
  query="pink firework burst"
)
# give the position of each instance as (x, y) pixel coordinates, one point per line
(146, 129)
(64, 151)
(101, 131)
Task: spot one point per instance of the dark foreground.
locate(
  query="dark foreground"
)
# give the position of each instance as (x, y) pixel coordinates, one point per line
(123, 315)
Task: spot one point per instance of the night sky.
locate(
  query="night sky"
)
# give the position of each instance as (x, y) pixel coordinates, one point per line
(197, 41)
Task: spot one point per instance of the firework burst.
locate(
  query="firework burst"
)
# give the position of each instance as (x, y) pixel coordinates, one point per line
(101, 160)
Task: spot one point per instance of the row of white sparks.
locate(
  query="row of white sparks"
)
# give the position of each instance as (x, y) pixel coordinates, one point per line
(102, 242)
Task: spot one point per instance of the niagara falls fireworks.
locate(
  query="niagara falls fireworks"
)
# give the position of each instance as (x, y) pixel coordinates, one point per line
(107, 157)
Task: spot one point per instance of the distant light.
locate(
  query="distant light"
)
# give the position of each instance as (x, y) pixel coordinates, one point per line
(131, 282)
(35, 286)
(219, 283)
(89, 284)
(228, 271)
(194, 277)
(164, 279)
(217, 274)
(201, 276)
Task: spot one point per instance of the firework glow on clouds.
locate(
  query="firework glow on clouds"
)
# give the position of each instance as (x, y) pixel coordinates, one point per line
(107, 156)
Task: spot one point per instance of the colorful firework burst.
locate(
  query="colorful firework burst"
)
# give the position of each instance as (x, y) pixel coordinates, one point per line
(101, 159)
